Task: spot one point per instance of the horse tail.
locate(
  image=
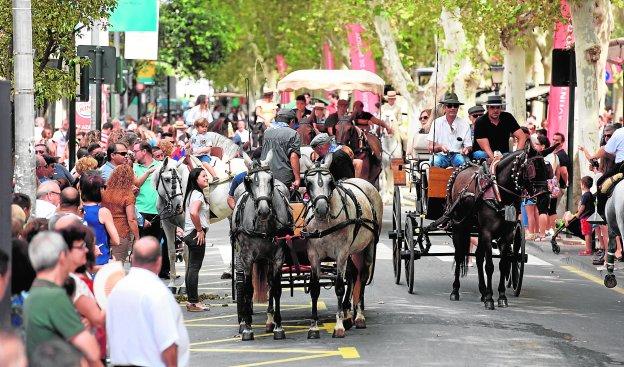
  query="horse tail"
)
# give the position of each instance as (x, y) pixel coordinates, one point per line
(461, 242)
(260, 283)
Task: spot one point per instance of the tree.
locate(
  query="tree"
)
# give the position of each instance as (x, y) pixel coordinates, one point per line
(55, 26)
(196, 35)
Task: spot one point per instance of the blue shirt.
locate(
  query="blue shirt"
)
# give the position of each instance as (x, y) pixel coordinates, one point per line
(236, 181)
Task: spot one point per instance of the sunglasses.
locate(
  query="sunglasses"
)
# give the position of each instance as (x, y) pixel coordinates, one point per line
(607, 135)
(39, 151)
(423, 118)
(452, 105)
(122, 153)
(477, 115)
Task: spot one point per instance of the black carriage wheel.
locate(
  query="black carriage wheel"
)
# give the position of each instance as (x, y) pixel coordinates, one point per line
(517, 263)
(398, 237)
(411, 247)
(421, 192)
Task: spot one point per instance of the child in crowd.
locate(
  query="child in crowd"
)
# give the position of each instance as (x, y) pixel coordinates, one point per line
(586, 209)
(201, 144)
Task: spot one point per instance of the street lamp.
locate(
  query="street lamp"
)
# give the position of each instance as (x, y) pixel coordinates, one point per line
(497, 76)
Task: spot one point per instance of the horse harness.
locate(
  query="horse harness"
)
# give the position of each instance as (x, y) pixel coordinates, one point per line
(169, 211)
(343, 192)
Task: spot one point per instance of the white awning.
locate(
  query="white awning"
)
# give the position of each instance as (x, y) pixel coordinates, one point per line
(347, 80)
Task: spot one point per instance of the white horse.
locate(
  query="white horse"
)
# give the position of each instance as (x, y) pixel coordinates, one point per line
(392, 148)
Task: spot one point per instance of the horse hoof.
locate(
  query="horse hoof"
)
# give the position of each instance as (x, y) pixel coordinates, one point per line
(279, 335)
(269, 327)
(360, 324)
(454, 296)
(502, 303)
(489, 304)
(482, 298)
(338, 333)
(610, 281)
(347, 323)
(247, 335)
(314, 334)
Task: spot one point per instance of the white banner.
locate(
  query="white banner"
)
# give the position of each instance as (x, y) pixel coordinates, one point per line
(141, 46)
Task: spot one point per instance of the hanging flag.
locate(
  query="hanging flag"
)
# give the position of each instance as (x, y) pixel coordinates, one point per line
(134, 16)
(361, 59)
(559, 97)
(280, 61)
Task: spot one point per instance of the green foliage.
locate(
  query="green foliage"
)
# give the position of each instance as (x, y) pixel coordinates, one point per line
(196, 35)
(55, 25)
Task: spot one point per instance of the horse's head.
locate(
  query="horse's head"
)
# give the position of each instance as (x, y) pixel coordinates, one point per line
(169, 183)
(345, 133)
(259, 184)
(320, 186)
(528, 170)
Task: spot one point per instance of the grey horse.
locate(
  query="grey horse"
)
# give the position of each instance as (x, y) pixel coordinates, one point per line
(615, 223)
(343, 222)
(261, 214)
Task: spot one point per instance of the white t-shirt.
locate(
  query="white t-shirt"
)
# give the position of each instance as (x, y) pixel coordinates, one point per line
(244, 135)
(203, 212)
(615, 145)
(82, 289)
(448, 135)
(196, 113)
(142, 320)
(60, 138)
(199, 141)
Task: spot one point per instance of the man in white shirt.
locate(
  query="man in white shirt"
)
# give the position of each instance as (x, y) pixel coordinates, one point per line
(144, 323)
(60, 137)
(48, 199)
(450, 137)
(241, 135)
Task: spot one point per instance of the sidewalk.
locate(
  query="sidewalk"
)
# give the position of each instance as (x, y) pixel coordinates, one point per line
(570, 247)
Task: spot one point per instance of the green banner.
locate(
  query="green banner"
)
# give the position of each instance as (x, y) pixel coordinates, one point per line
(134, 16)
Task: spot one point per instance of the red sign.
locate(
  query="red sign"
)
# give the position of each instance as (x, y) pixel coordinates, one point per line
(362, 59)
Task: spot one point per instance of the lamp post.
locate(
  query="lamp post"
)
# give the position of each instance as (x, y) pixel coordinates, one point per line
(497, 76)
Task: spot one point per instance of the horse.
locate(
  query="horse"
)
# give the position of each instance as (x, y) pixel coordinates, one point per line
(490, 203)
(391, 148)
(364, 145)
(261, 214)
(306, 133)
(615, 225)
(342, 222)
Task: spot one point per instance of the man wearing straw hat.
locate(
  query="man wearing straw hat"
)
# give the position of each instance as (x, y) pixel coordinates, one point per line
(450, 137)
(492, 130)
(391, 111)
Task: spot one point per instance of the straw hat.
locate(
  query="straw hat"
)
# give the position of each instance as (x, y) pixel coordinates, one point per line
(391, 94)
(106, 279)
(179, 125)
(319, 105)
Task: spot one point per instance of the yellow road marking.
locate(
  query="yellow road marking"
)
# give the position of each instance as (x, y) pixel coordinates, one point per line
(255, 326)
(344, 352)
(591, 277)
(320, 305)
(237, 339)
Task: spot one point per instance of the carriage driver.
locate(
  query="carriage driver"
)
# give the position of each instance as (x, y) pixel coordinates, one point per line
(363, 119)
(341, 166)
(450, 137)
(285, 144)
(492, 130)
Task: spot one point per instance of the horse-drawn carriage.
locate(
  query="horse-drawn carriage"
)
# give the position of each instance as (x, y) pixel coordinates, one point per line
(329, 239)
(457, 211)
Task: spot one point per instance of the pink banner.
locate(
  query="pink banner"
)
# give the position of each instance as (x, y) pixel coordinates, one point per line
(558, 99)
(280, 61)
(361, 59)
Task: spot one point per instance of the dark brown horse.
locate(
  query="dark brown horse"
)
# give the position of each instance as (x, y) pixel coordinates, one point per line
(476, 201)
(364, 145)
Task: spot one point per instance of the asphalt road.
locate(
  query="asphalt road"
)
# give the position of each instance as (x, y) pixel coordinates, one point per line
(564, 317)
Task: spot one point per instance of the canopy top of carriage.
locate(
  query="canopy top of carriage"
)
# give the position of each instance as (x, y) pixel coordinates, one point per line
(347, 80)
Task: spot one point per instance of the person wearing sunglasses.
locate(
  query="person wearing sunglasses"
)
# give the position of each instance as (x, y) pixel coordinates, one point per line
(449, 138)
(117, 155)
(493, 129)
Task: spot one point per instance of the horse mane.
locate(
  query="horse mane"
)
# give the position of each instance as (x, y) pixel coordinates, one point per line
(230, 150)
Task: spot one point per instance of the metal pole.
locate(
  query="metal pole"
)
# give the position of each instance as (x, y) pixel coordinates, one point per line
(570, 194)
(98, 88)
(24, 99)
(6, 178)
(72, 133)
(168, 98)
(93, 89)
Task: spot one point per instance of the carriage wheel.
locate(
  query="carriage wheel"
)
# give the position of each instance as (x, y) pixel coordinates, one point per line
(411, 247)
(517, 262)
(421, 194)
(397, 241)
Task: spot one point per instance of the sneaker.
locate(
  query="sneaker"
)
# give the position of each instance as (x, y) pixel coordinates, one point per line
(598, 259)
(197, 307)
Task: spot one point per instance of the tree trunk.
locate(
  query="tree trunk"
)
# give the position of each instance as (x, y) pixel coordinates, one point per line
(515, 82)
(593, 23)
(25, 179)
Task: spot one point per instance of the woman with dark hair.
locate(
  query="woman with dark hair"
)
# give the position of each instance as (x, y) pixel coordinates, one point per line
(80, 240)
(119, 199)
(195, 226)
(99, 219)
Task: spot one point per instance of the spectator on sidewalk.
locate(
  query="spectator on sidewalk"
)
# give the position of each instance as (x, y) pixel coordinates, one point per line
(117, 155)
(48, 311)
(144, 323)
(69, 205)
(585, 210)
(48, 199)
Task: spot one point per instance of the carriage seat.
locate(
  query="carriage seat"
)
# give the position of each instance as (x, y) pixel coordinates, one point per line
(216, 152)
(420, 147)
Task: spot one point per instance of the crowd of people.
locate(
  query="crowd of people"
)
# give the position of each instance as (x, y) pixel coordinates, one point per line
(104, 209)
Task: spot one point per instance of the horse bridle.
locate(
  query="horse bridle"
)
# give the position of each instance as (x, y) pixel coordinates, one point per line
(525, 169)
(319, 181)
(168, 210)
(249, 180)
